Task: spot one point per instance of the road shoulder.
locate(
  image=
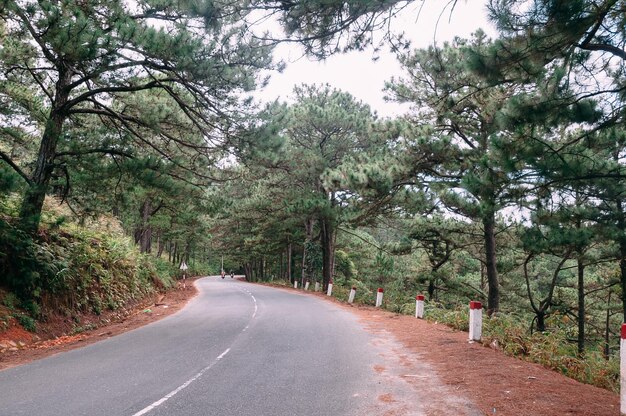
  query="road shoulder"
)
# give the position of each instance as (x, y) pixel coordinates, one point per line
(496, 383)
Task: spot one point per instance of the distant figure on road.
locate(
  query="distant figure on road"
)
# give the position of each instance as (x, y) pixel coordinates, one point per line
(223, 274)
(232, 274)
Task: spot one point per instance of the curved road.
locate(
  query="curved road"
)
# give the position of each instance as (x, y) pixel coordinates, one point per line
(236, 349)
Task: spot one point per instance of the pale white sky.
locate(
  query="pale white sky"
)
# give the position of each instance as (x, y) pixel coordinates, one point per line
(356, 73)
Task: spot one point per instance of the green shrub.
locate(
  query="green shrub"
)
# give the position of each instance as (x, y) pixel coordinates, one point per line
(456, 318)
(69, 268)
(27, 322)
(10, 300)
(31, 307)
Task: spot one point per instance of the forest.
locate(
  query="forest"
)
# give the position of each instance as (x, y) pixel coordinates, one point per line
(129, 142)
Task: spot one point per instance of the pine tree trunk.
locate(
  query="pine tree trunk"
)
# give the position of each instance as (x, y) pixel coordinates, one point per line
(327, 241)
(541, 321)
(143, 232)
(160, 244)
(622, 268)
(32, 204)
(304, 255)
(581, 306)
(289, 249)
(493, 297)
(431, 289)
(607, 328)
(308, 233)
(263, 269)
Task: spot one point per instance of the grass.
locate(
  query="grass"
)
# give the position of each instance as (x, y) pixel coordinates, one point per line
(510, 334)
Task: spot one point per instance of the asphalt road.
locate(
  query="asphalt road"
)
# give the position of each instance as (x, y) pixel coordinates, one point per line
(236, 349)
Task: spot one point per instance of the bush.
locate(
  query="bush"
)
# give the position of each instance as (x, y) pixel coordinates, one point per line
(69, 268)
(552, 350)
(27, 322)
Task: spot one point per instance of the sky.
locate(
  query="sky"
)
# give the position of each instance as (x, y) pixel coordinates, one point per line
(358, 74)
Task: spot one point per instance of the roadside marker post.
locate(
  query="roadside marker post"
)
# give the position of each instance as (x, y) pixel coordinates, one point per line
(475, 320)
(295, 284)
(379, 297)
(306, 285)
(352, 294)
(622, 370)
(183, 267)
(419, 306)
(329, 292)
(317, 286)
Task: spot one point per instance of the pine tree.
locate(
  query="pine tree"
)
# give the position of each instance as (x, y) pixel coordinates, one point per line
(84, 59)
(568, 59)
(460, 112)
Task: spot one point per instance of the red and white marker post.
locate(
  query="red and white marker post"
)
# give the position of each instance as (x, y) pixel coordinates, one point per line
(379, 297)
(475, 320)
(622, 370)
(184, 267)
(329, 292)
(419, 306)
(352, 294)
(306, 285)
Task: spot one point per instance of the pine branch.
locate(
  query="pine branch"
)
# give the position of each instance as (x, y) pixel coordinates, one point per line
(16, 168)
(130, 88)
(98, 150)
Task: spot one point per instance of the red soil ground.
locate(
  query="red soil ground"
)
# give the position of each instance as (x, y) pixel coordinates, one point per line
(494, 382)
(497, 384)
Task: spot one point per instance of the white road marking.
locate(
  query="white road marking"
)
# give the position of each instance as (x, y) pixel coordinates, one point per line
(181, 387)
(256, 306)
(199, 374)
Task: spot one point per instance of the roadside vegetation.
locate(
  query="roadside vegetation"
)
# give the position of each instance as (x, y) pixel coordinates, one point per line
(70, 270)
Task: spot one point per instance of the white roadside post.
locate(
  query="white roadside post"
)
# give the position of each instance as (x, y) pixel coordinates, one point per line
(379, 297)
(306, 285)
(183, 267)
(351, 295)
(317, 286)
(475, 320)
(622, 370)
(295, 284)
(419, 306)
(329, 292)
